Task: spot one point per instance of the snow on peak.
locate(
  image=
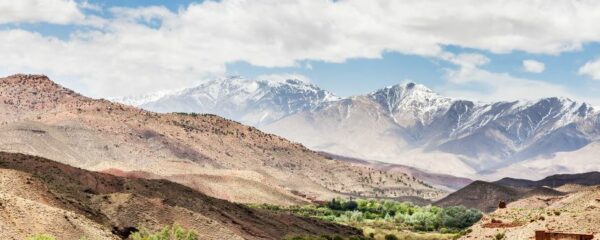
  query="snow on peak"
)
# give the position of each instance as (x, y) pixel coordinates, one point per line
(142, 99)
(253, 102)
(410, 103)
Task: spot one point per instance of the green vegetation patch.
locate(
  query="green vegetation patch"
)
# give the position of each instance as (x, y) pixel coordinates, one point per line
(385, 219)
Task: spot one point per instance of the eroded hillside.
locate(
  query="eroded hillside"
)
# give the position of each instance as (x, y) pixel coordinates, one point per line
(43, 196)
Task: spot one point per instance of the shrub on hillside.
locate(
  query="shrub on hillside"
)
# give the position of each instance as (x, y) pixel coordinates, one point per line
(390, 237)
(41, 237)
(167, 233)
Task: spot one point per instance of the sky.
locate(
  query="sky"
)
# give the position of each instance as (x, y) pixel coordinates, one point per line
(480, 50)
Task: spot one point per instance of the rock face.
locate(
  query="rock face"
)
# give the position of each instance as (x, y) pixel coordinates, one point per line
(219, 157)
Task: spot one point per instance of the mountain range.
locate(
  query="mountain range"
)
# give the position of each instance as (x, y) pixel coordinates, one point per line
(408, 124)
(211, 154)
(251, 102)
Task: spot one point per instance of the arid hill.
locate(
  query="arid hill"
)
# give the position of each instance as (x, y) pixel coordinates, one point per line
(575, 212)
(485, 196)
(42, 196)
(219, 157)
(442, 181)
(481, 195)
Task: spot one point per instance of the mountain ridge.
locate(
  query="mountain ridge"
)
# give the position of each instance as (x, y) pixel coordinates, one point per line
(499, 134)
(586, 179)
(254, 102)
(412, 125)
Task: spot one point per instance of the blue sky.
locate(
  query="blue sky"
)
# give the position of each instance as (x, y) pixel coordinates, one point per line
(112, 48)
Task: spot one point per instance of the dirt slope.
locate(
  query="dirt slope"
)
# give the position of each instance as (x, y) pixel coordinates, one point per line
(441, 181)
(576, 212)
(224, 158)
(27, 209)
(46, 196)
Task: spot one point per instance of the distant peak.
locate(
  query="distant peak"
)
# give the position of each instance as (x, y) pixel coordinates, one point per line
(417, 87)
(404, 89)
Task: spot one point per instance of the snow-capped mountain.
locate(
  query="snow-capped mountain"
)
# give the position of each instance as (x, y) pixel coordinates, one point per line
(410, 124)
(254, 102)
(407, 124)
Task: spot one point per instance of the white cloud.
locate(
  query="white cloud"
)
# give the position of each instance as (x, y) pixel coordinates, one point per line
(152, 48)
(591, 69)
(471, 82)
(469, 60)
(533, 66)
(32, 11)
(503, 86)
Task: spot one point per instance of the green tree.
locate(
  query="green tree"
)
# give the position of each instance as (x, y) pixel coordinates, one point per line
(458, 217)
(334, 205)
(350, 205)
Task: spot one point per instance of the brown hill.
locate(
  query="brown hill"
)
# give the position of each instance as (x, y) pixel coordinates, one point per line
(482, 195)
(486, 196)
(220, 157)
(576, 213)
(42, 196)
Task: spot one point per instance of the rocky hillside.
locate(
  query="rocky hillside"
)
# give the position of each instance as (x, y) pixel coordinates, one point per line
(574, 212)
(217, 156)
(41, 196)
(441, 181)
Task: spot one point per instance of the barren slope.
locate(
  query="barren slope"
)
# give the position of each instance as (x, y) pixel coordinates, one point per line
(224, 158)
(441, 181)
(42, 196)
(482, 195)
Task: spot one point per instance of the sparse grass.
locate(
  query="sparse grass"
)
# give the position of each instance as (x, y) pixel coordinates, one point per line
(41, 237)
(167, 233)
(380, 234)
